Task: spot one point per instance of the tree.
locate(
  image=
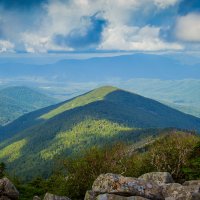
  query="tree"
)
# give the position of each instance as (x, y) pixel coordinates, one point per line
(171, 153)
(2, 169)
(192, 169)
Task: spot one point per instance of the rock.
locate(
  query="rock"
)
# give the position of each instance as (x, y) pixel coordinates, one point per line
(117, 197)
(4, 198)
(127, 186)
(8, 190)
(90, 195)
(192, 197)
(49, 196)
(175, 191)
(192, 183)
(158, 177)
(36, 198)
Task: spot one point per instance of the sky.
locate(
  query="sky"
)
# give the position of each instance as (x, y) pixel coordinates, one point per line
(46, 26)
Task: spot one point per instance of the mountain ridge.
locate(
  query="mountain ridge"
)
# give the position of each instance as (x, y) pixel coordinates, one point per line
(107, 115)
(134, 66)
(85, 99)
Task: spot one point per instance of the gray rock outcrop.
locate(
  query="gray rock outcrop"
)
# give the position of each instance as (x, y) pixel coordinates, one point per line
(127, 186)
(175, 191)
(158, 177)
(117, 197)
(49, 196)
(192, 183)
(8, 190)
(150, 186)
(36, 198)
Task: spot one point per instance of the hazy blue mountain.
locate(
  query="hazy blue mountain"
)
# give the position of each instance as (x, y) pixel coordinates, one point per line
(98, 69)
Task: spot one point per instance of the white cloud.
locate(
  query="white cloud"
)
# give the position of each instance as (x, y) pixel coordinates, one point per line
(36, 43)
(188, 28)
(135, 38)
(6, 46)
(119, 13)
(61, 17)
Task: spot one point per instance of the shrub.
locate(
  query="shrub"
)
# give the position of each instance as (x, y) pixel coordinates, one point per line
(81, 172)
(192, 169)
(171, 153)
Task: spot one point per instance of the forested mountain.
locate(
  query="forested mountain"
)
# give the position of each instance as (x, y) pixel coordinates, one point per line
(16, 101)
(103, 116)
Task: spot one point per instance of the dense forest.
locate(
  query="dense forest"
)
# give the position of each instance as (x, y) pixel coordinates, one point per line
(17, 100)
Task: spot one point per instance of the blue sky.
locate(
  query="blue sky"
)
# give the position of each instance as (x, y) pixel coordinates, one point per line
(42, 26)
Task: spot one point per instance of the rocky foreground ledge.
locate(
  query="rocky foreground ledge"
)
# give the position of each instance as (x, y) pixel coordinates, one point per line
(150, 186)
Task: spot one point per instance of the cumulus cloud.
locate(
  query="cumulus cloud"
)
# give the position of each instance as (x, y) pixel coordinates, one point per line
(34, 43)
(66, 25)
(188, 28)
(135, 38)
(119, 16)
(87, 36)
(6, 46)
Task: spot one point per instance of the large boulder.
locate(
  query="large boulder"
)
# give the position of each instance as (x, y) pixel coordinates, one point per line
(175, 191)
(90, 195)
(49, 196)
(159, 177)
(192, 183)
(36, 198)
(8, 190)
(127, 186)
(117, 197)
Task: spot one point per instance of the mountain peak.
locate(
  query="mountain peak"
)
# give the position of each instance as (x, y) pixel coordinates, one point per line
(104, 90)
(82, 100)
(107, 87)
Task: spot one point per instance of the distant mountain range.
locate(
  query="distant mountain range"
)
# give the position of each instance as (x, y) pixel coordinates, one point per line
(101, 69)
(16, 101)
(172, 79)
(103, 116)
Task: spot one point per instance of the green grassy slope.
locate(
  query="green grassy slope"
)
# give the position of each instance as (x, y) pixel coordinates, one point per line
(102, 116)
(16, 101)
(95, 95)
